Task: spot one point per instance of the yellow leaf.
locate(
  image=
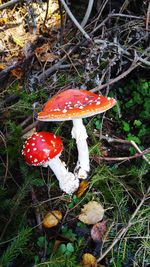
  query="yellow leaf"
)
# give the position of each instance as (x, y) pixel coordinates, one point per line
(88, 260)
(18, 40)
(3, 21)
(52, 219)
(91, 213)
(83, 186)
(2, 66)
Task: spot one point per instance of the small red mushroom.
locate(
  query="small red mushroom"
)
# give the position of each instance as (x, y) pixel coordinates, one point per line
(44, 149)
(74, 104)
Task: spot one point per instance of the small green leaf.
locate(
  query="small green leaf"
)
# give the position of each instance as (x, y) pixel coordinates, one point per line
(36, 259)
(71, 205)
(41, 242)
(62, 248)
(70, 247)
(38, 182)
(137, 123)
(126, 126)
(134, 138)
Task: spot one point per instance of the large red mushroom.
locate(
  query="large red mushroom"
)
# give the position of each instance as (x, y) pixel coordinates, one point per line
(44, 149)
(74, 104)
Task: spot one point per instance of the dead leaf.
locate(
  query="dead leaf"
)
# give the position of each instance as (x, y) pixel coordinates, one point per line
(83, 186)
(88, 260)
(42, 49)
(2, 66)
(29, 133)
(98, 230)
(3, 21)
(43, 55)
(50, 57)
(56, 245)
(17, 73)
(18, 40)
(52, 219)
(91, 213)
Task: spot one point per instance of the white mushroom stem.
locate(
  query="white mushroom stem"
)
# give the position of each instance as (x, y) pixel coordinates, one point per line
(67, 181)
(79, 133)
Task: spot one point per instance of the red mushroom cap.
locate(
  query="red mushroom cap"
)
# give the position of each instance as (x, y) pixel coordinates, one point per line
(41, 147)
(74, 103)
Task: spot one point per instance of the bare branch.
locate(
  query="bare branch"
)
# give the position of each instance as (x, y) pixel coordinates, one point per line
(88, 13)
(8, 4)
(74, 20)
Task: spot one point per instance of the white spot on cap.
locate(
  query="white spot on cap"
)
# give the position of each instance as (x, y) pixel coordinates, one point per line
(54, 136)
(86, 98)
(81, 107)
(98, 103)
(30, 156)
(46, 150)
(33, 144)
(64, 111)
(34, 148)
(35, 160)
(53, 143)
(28, 150)
(43, 140)
(34, 138)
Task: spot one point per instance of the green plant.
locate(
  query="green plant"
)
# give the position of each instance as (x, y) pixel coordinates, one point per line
(17, 246)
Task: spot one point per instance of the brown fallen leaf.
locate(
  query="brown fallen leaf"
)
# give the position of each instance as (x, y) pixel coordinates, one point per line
(2, 66)
(56, 245)
(88, 260)
(83, 186)
(52, 219)
(50, 57)
(91, 213)
(43, 54)
(98, 230)
(18, 73)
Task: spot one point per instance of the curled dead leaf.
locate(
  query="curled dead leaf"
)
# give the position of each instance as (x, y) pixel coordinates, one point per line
(43, 55)
(17, 73)
(91, 213)
(88, 260)
(98, 230)
(52, 219)
(83, 186)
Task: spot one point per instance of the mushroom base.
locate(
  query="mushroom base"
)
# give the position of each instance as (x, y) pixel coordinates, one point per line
(67, 181)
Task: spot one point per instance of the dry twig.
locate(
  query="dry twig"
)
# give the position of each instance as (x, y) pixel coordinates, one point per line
(88, 13)
(74, 20)
(8, 4)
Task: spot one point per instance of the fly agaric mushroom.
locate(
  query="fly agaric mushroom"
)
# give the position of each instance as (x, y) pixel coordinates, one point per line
(44, 149)
(74, 104)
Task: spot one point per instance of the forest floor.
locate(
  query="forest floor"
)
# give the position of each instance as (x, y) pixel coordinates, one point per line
(103, 47)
